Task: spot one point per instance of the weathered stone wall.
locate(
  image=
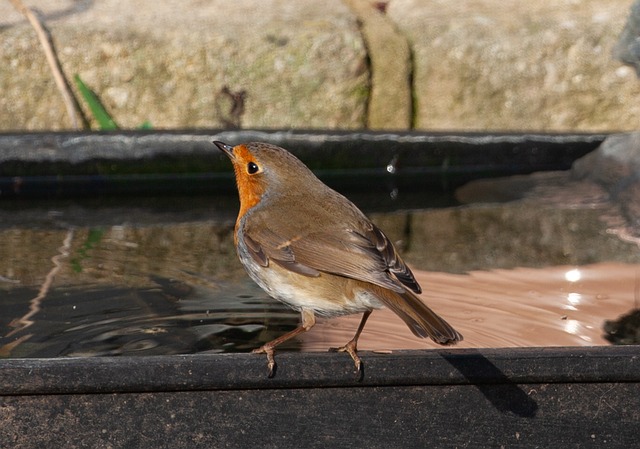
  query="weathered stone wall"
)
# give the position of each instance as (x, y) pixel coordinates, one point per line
(301, 64)
(548, 65)
(473, 65)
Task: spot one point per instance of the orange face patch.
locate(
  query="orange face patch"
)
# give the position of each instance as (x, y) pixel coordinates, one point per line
(250, 187)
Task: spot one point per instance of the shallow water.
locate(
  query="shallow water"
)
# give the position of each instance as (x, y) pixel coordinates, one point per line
(161, 276)
(553, 306)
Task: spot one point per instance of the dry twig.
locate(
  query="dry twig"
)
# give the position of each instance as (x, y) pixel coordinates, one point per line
(44, 37)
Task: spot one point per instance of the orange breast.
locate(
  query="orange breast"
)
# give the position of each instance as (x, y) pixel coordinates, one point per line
(250, 187)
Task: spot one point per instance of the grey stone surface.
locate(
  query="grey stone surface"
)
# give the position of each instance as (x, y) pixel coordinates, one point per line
(616, 166)
(492, 64)
(476, 65)
(627, 49)
(301, 64)
(615, 161)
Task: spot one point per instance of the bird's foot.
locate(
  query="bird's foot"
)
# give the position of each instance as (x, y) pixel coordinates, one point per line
(271, 362)
(351, 348)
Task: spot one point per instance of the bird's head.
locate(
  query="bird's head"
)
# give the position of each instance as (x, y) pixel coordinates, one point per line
(265, 170)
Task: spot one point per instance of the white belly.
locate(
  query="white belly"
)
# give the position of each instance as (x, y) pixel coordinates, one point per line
(326, 295)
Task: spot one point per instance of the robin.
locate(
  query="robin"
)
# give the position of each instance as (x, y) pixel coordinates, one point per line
(311, 248)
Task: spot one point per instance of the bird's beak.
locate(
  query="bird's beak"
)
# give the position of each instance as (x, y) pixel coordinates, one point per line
(228, 149)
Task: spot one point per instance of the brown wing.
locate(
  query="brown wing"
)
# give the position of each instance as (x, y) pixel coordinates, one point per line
(392, 259)
(283, 257)
(366, 255)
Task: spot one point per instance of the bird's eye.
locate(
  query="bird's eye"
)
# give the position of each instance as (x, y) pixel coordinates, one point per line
(252, 168)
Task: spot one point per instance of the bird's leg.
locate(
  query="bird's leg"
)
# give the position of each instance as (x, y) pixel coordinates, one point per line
(308, 321)
(352, 346)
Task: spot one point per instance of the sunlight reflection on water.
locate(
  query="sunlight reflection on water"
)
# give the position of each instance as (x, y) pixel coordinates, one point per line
(504, 308)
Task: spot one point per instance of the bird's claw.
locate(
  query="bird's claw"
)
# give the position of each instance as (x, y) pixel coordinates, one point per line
(351, 349)
(271, 362)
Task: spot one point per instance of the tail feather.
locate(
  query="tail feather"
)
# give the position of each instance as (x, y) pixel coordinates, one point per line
(422, 321)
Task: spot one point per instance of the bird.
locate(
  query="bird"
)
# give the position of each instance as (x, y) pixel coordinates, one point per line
(311, 248)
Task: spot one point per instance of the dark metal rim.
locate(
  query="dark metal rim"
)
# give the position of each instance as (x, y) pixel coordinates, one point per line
(199, 372)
